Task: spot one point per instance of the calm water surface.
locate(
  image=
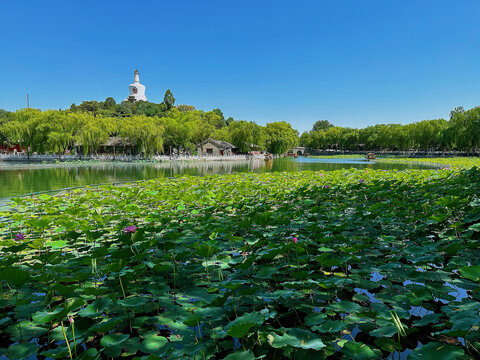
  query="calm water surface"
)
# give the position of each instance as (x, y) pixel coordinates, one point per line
(22, 178)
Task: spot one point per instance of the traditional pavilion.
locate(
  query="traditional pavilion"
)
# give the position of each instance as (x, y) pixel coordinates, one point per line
(137, 90)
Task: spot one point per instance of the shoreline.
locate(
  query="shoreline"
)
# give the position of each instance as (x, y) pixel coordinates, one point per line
(23, 162)
(120, 159)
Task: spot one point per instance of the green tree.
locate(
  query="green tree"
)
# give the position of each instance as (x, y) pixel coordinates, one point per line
(168, 99)
(321, 125)
(147, 134)
(305, 139)
(221, 122)
(94, 132)
(176, 134)
(244, 134)
(27, 128)
(201, 132)
(151, 109)
(65, 127)
(109, 103)
(213, 118)
(279, 137)
(222, 134)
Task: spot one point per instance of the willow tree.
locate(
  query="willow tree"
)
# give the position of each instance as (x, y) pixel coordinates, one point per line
(279, 137)
(177, 134)
(244, 134)
(94, 132)
(202, 131)
(27, 128)
(147, 134)
(65, 128)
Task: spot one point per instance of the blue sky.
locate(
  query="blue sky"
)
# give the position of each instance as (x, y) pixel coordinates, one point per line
(354, 63)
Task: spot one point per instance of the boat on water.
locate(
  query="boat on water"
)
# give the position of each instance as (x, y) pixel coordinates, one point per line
(370, 156)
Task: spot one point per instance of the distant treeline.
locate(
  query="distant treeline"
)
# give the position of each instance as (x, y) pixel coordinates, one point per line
(153, 128)
(160, 128)
(461, 132)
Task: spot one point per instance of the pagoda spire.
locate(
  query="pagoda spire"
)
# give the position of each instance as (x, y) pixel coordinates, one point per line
(136, 78)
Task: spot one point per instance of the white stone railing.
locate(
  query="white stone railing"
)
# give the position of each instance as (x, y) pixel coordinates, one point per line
(197, 157)
(118, 157)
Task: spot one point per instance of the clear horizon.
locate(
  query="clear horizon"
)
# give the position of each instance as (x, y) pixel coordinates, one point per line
(352, 64)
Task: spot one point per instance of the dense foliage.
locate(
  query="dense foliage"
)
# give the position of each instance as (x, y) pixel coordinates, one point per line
(153, 128)
(183, 127)
(353, 264)
(461, 132)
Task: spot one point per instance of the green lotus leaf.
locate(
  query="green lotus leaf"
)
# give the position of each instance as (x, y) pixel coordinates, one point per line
(428, 319)
(58, 244)
(105, 326)
(193, 321)
(96, 308)
(133, 301)
(152, 344)
(240, 355)
(436, 350)
(113, 339)
(44, 317)
(330, 326)
(388, 345)
(239, 327)
(475, 227)
(419, 296)
(205, 250)
(25, 330)
(297, 338)
(360, 351)
(61, 352)
(471, 272)
(386, 328)
(21, 351)
(266, 272)
(346, 306)
(90, 354)
(14, 276)
(315, 319)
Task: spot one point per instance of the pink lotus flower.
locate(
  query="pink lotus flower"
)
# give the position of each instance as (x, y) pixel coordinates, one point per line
(19, 237)
(130, 229)
(295, 240)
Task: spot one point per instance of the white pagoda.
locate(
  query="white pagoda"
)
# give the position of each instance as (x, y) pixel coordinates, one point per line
(137, 90)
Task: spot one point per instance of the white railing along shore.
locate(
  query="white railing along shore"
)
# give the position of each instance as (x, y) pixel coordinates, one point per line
(119, 157)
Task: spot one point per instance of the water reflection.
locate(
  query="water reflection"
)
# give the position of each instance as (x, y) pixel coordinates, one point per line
(21, 178)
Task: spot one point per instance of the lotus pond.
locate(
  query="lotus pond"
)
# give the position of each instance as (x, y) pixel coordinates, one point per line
(346, 264)
(19, 178)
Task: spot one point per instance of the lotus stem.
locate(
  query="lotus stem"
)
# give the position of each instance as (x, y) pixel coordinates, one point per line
(398, 324)
(121, 285)
(206, 266)
(73, 332)
(66, 340)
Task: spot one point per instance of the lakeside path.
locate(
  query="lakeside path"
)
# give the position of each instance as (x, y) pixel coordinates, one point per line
(363, 263)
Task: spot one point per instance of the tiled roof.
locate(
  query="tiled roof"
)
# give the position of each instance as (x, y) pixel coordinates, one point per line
(221, 144)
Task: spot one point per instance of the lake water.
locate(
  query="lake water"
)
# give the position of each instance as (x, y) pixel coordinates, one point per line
(23, 178)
